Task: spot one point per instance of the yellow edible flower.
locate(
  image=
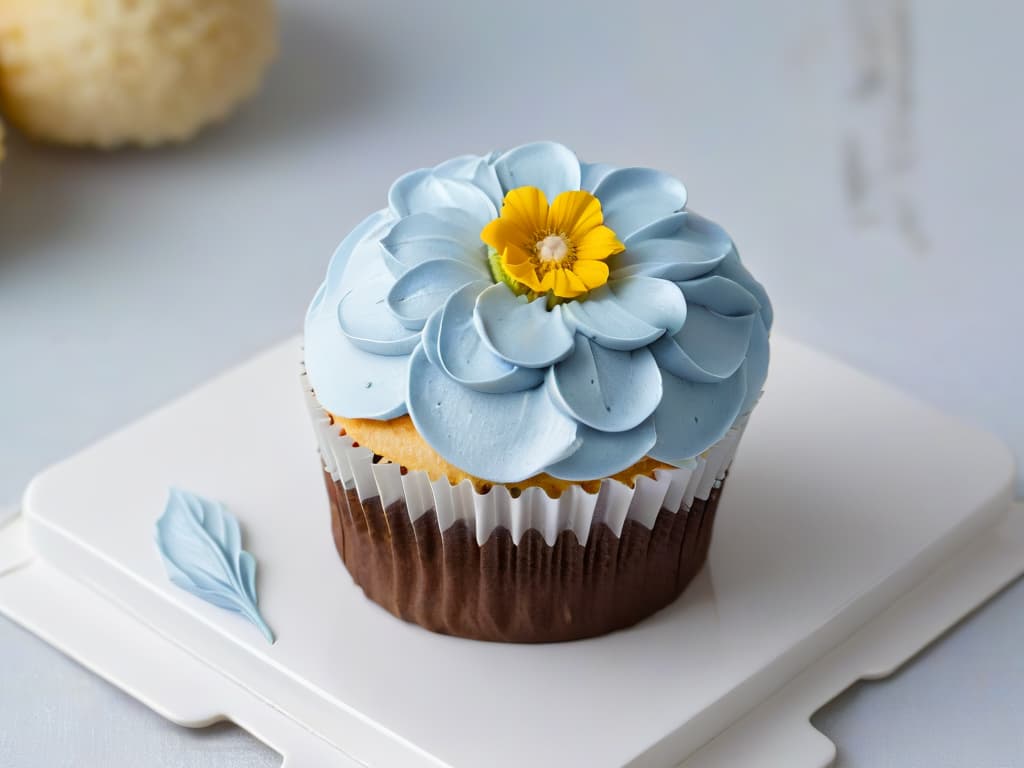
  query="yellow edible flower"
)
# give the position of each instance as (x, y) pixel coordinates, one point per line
(558, 249)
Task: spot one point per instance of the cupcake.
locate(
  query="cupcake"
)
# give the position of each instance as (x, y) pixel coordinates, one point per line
(528, 377)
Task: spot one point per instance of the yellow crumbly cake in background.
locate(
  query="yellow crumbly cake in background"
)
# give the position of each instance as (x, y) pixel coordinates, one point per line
(110, 72)
(398, 441)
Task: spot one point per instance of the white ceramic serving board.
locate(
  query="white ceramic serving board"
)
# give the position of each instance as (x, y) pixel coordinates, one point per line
(844, 501)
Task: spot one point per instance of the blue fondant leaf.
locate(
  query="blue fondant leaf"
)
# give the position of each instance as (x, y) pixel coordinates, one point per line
(201, 546)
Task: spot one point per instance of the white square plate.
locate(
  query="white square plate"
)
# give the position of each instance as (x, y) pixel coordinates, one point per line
(844, 496)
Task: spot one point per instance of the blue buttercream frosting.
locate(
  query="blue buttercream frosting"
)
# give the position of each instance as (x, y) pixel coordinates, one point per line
(660, 361)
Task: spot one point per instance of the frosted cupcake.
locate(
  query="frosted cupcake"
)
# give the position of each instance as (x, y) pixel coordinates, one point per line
(529, 376)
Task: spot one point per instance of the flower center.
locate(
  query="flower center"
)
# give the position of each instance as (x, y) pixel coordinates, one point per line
(552, 248)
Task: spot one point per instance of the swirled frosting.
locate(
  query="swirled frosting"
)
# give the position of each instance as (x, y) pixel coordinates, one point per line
(660, 359)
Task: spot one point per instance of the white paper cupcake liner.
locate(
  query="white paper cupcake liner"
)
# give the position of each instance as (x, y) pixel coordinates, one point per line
(576, 509)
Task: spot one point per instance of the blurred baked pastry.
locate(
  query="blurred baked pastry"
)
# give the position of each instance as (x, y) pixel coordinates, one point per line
(111, 72)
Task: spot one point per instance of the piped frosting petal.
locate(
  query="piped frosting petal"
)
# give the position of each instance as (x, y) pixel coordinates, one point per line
(348, 379)
(551, 167)
(471, 429)
(692, 416)
(365, 320)
(444, 233)
(632, 198)
(475, 169)
(591, 174)
(423, 190)
(720, 295)
(629, 313)
(758, 355)
(416, 294)
(733, 269)
(709, 348)
(606, 389)
(520, 331)
(466, 357)
(680, 246)
(603, 454)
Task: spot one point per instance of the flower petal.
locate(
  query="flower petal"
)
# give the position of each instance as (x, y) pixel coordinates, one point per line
(566, 284)
(365, 321)
(521, 332)
(605, 389)
(464, 356)
(598, 243)
(423, 190)
(424, 288)
(593, 273)
(503, 438)
(574, 214)
(547, 282)
(350, 381)
(629, 313)
(503, 232)
(692, 416)
(516, 255)
(605, 453)
(424, 237)
(551, 167)
(526, 208)
(678, 247)
(709, 348)
(521, 268)
(634, 197)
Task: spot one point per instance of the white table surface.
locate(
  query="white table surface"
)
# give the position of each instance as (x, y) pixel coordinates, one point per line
(866, 156)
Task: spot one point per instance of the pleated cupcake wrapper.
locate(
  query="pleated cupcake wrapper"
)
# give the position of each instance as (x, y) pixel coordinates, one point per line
(576, 509)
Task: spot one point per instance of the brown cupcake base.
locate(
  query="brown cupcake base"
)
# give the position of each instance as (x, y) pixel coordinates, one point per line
(526, 593)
